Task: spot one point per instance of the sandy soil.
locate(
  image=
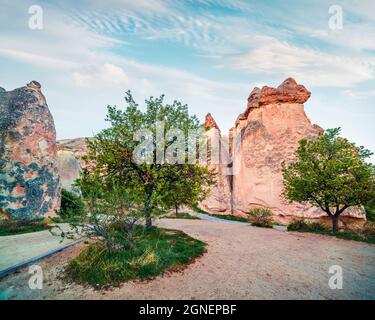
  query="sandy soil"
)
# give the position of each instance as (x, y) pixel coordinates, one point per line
(242, 262)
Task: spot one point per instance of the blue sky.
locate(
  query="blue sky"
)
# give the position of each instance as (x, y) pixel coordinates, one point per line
(206, 53)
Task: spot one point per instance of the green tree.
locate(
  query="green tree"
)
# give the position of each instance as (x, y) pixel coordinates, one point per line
(111, 152)
(186, 184)
(72, 207)
(112, 213)
(331, 173)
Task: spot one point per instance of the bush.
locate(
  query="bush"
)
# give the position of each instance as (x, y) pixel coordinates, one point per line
(261, 217)
(12, 227)
(156, 251)
(369, 229)
(302, 225)
(72, 206)
(370, 211)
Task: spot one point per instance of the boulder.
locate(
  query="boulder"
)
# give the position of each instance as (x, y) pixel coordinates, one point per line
(29, 179)
(70, 162)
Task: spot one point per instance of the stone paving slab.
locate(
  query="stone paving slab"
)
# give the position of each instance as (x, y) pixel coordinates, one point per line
(16, 249)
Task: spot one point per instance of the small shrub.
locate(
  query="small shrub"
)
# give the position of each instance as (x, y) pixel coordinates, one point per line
(302, 225)
(72, 206)
(261, 217)
(369, 229)
(370, 211)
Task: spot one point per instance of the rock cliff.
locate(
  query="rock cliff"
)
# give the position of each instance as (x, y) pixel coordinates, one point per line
(264, 136)
(29, 180)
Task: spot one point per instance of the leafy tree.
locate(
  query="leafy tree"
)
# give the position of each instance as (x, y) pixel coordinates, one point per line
(186, 185)
(72, 206)
(111, 152)
(331, 173)
(112, 214)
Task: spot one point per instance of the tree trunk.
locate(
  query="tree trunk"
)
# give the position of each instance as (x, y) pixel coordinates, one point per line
(335, 223)
(148, 210)
(176, 209)
(148, 220)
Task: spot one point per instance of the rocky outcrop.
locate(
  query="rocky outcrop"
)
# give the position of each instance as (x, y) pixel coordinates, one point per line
(218, 158)
(69, 161)
(29, 180)
(264, 136)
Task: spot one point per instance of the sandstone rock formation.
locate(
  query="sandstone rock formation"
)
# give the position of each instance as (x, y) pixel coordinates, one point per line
(218, 159)
(69, 161)
(264, 136)
(29, 180)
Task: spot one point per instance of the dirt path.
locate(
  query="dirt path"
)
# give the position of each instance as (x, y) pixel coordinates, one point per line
(242, 262)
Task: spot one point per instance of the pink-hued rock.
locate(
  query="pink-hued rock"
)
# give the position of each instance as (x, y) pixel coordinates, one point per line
(29, 180)
(264, 136)
(210, 122)
(69, 161)
(219, 199)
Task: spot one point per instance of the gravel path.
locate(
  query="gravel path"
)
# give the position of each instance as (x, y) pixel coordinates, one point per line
(242, 262)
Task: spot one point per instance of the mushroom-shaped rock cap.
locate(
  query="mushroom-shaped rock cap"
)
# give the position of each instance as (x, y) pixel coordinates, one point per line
(210, 122)
(34, 85)
(288, 92)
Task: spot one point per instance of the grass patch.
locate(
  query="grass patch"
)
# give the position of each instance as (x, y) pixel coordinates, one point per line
(230, 217)
(199, 210)
(181, 216)
(221, 216)
(13, 227)
(155, 251)
(366, 234)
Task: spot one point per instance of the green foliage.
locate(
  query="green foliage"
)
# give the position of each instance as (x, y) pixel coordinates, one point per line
(111, 155)
(229, 217)
(12, 227)
(72, 206)
(364, 234)
(185, 184)
(199, 210)
(181, 216)
(113, 213)
(261, 217)
(370, 210)
(157, 250)
(330, 173)
(302, 225)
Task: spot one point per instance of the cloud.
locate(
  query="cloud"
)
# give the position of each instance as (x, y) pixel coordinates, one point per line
(106, 74)
(309, 66)
(360, 94)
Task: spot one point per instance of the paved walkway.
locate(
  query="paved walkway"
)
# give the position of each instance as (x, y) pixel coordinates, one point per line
(208, 217)
(241, 262)
(18, 249)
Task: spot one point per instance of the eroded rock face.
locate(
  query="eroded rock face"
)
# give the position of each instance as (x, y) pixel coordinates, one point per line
(69, 161)
(264, 136)
(29, 180)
